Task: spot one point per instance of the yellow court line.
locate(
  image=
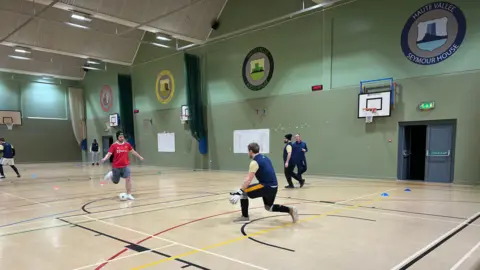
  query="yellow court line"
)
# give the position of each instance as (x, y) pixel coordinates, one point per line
(252, 234)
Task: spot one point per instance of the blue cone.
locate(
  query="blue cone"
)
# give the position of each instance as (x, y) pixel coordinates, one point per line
(408, 190)
(384, 195)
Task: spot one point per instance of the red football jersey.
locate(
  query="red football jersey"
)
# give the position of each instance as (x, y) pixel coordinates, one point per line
(120, 154)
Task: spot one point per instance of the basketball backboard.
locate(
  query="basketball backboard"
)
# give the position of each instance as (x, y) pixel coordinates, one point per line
(114, 120)
(380, 101)
(184, 114)
(376, 98)
(14, 117)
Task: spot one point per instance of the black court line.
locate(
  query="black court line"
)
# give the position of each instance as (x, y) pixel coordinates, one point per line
(432, 248)
(242, 229)
(133, 246)
(116, 216)
(94, 201)
(135, 206)
(141, 198)
(374, 207)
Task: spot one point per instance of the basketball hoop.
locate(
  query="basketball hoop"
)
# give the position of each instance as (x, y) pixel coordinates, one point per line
(184, 119)
(8, 121)
(107, 126)
(184, 114)
(369, 114)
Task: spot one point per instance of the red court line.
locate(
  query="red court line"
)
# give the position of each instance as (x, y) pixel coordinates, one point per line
(169, 229)
(164, 231)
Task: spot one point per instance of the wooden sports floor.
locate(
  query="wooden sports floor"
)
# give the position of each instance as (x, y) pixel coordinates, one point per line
(60, 216)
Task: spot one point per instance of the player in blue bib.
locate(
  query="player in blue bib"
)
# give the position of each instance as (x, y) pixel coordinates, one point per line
(260, 167)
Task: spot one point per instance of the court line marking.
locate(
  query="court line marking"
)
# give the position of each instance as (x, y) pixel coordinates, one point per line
(204, 249)
(464, 258)
(373, 211)
(125, 257)
(161, 232)
(104, 217)
(176, 227)
(174, 242)
(28, 200)
(37, 218)
(428, 248)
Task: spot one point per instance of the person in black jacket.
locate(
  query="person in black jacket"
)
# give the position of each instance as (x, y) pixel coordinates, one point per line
(94, 151)
(290, 160)
(299, 149)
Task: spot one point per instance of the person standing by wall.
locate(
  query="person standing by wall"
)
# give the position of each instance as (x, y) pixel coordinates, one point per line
(8, 154)
(289, 161)
(299, 148)
(94, 150)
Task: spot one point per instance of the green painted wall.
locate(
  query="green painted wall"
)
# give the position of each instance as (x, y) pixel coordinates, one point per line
(39, 140)
(96, 117)
(336, 48)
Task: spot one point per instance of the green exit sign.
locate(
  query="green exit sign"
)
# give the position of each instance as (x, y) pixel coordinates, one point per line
(426, 105)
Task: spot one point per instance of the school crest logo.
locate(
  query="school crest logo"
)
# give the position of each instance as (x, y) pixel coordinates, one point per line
(433, 33)
(165, 87)
(106, 98)
(257, 68)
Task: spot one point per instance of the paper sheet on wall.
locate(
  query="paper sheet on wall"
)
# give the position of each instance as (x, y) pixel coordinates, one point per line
(166, 142)
(242, 138)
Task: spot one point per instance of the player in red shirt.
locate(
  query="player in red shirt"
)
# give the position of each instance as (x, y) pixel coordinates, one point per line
(121, 162)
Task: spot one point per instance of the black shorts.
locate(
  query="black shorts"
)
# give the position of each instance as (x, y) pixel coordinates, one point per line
(268, 194)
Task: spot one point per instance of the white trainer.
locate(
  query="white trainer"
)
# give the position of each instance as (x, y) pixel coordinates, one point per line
(130, 197)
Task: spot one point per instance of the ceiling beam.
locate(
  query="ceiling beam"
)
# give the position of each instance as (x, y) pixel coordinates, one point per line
(28, 20)
(82, 56)
(118, 20)
(58, 76)
(161, 16)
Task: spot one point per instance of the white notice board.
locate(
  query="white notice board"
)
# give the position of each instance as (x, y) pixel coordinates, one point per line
(166, 142)
(242, 138)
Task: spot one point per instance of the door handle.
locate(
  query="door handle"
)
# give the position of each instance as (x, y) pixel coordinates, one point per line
(444, 155)
(406, 153)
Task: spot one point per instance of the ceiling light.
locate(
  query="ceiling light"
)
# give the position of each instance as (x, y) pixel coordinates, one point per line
(19, 57)
(81, 17)
(163, 37)
(46, 77)
(93, 62)
(186, 46)
(22, 50)
(160, 45)
(77, 25)
(89, 67)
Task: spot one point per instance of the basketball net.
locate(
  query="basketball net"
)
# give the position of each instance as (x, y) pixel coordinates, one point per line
(107, 127)
(9, 126)
(184, 118)
(369, 114)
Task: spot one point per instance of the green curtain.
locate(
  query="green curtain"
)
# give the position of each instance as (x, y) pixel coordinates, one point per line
(126, 107)
(194, 97)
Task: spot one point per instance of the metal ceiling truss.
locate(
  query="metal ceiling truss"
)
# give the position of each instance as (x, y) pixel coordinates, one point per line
(115, 31)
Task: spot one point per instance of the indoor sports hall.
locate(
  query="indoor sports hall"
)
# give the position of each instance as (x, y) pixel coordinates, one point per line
(227, 134)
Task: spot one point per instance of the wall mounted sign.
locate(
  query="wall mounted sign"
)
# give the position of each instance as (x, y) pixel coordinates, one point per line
(433, 33)
(257, 70)
(425, 106)
(165, 87)
(106, 98)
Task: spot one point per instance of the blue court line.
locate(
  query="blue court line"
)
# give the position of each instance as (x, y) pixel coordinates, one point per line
(32, 219)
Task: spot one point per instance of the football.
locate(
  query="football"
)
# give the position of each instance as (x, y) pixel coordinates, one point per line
(123, 196)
